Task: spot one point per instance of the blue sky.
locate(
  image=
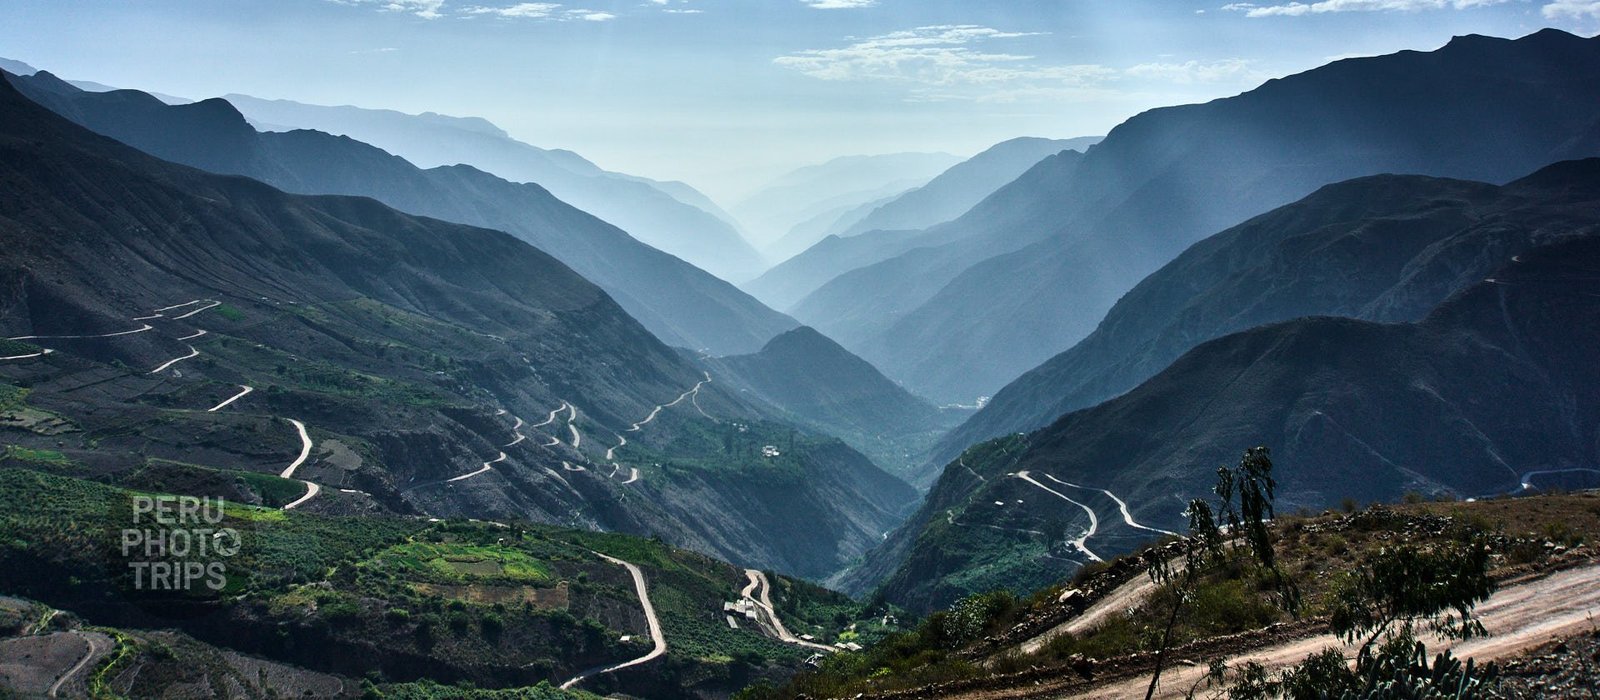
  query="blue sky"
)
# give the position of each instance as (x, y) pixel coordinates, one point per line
(725, 93)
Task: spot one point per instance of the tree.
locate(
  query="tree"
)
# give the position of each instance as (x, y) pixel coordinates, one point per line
(1245, 495)
(1401, 587)
(1394, 592)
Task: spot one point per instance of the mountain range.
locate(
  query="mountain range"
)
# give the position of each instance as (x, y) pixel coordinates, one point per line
(943, 198)
(773, 211)
(679, 303)
(963, 308)
(415, 357)
(1486, 389)
(841, 273)
(670, 216)
(1384, 248)
(965, 184)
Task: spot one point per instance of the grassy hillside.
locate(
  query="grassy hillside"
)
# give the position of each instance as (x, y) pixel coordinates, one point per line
(403, 600)
(973, 647)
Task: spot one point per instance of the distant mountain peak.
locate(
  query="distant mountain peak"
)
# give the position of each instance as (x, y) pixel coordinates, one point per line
(16, 67)
(801, 338)
(217, 107)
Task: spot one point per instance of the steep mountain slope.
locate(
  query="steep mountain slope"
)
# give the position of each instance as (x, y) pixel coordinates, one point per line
(1479, 108)
(669, 216)
(1495, 389)
(965, 184)
(822, 385)
(682, 305)
(1385, 248)
(404, 359)
(787, 284)
(777, 207)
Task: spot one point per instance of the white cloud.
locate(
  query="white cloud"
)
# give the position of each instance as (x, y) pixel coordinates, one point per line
(1195, 71)
(426, 9)
(1296, 9)
(949, 62)
(548, 11)
(839, 4)
(1572, 9)
(539, 10)
(522, 10)
(935, 56)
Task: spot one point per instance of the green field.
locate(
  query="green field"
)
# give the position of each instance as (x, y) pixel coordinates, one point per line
(459, 563)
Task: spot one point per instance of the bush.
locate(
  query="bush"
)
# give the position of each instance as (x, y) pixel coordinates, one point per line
(1398, 669)
(975, 615)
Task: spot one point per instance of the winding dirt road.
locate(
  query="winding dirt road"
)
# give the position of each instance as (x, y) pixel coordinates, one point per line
(1527, 479)
(649, 616)
(98, 644)
(147, 327)
(515, 430)
(1094, 520)
(211, 305)
(311, 492)
(1128, 595)
(305, 449)
(552, 417)
(42, 352)
(690, 394)
(486, 467)
(244, 390)
(193, 353)
(178, 306)
(1127, 517)
(758, 580)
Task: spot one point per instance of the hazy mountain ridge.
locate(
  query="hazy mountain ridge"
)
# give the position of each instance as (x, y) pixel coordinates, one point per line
(792, 282)
(682, 305)
(957, 190)
(778, 206)
(833, 216)
(655, 213)
(1352, 409)
(839, 270)
(1479, 108)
